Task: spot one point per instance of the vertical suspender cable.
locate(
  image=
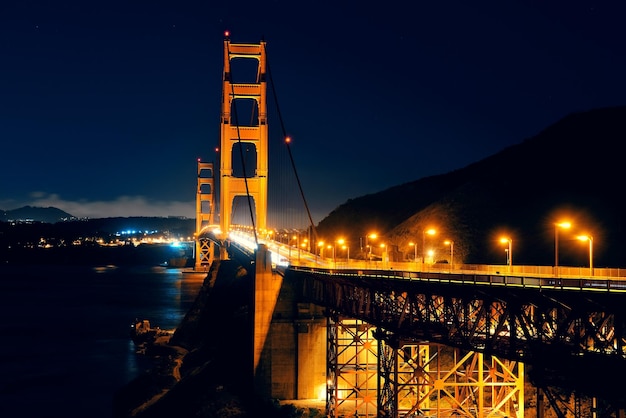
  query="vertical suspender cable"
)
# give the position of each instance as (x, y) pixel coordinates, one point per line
(287, 142)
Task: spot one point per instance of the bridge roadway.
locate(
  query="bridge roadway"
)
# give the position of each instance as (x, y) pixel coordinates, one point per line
(570, 329)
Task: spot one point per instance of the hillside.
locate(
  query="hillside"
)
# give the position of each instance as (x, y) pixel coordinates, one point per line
(34, 213)
(571, 168)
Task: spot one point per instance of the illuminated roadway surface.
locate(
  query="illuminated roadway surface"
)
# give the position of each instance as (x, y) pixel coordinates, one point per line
(569, 278)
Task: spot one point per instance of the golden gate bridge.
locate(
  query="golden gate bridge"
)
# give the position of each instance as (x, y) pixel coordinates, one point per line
(387, 338)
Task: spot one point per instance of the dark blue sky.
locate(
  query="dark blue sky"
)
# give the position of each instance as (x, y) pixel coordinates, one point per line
(105, 106)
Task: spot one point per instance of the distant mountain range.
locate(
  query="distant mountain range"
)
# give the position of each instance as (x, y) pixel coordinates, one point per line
(38, 214)
(573, 169)
(60, 223)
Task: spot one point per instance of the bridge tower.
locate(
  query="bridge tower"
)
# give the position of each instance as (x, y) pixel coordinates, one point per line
(205, 215)
(233, 134)
(236, 141)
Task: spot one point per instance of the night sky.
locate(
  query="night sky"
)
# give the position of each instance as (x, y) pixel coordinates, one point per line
(105, 106)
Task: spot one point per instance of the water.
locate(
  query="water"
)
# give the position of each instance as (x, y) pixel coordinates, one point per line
(65, 348)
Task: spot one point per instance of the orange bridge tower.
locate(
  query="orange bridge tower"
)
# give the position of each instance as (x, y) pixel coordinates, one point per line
(238, 138)
(205, 215)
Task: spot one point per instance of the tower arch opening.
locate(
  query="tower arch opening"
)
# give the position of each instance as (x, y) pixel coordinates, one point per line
(241, 211)
(244, 160)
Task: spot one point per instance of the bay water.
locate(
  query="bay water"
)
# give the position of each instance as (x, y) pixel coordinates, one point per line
(65, 347)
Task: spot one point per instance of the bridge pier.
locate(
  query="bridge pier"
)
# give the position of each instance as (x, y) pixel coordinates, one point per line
(289, 344)
(289, 338)
(266, 289)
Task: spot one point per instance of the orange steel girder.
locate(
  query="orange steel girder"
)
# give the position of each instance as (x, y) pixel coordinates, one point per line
(530, 326)
(253, 185)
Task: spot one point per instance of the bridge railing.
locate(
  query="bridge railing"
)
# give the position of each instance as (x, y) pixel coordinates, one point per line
(494, 269)
(301, 257)
(473, 277)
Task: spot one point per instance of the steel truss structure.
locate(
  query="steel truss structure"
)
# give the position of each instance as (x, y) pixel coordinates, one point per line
(570, 340)
(372, 374)
(432, 380)
(351, 368)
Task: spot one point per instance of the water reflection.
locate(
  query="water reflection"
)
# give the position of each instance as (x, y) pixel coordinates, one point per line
(66, 333)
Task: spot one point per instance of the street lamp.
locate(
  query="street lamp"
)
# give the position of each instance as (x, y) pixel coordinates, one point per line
(564, 225)
(509, 250)
(385, 253)
(414, 245)
(372, 236)
(344, 246)
(424, 232)
(301, 248)
(321, 245)
(451, 244)
(588, 238)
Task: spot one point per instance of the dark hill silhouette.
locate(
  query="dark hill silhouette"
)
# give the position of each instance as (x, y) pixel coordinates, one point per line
(35, 213)
(572, 168)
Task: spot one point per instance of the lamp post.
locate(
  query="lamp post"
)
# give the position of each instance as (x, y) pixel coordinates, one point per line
(588, 238)
(424, 232)
(344, 246)
(414, 245)
(385, 254)
(367, 245)
(509, 250)
(451, 244)
(557, 226)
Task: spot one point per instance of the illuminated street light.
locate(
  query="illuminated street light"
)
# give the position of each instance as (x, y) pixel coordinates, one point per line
(564, 225)
(588, 238)
(385, 253)
(509, 250)
(414, 245)
(367, 237)
(451, 244)
(424, 232)
(344, 246)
